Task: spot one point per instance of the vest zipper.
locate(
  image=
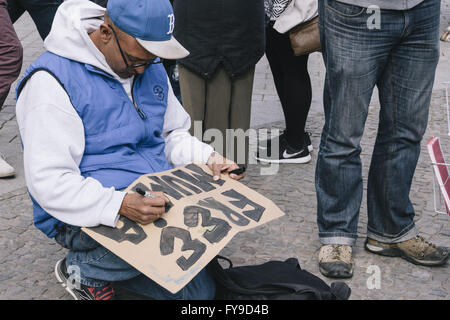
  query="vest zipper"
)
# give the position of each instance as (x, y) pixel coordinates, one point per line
(139, 110)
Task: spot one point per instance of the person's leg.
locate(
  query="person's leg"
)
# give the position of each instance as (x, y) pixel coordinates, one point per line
(11, 53)
(405, 92)
(239, 119)
(10, 64)
(99, 267)
(354, 56)
(193, 92)
(217, 110)
(201, 287)
(41, 11)
(292, 83)
(15, 9)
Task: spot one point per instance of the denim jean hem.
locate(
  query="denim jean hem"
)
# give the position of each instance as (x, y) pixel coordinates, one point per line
(407, 234)
(93, 283)
(87, 281)
(347, 240)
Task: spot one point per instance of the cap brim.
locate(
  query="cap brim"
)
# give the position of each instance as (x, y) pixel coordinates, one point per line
(170, 49)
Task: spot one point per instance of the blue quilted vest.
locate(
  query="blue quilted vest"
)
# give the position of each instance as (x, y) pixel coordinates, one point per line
(122, 139)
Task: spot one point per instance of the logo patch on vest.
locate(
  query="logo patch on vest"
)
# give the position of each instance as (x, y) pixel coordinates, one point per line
(159, 92)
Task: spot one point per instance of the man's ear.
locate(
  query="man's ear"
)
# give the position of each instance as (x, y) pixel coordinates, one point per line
(105, 33)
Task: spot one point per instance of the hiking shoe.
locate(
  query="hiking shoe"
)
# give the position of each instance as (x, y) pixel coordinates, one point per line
(79, 291)
(5, 169)
(416, 250)
(446, 35)
(286, 154)
(335, 261)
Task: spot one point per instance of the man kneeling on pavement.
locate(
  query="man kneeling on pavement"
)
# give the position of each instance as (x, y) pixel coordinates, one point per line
(95, 112)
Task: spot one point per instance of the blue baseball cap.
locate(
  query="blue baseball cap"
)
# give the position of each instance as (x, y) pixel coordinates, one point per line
(151, 22)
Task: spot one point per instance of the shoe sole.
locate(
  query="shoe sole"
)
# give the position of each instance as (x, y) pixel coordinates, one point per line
(329, 275)
(310, 148)
(395, 252)
(293, 160)
(62, 282)
(7, 175)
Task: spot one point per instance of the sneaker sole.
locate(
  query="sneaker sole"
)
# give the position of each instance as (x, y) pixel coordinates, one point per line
(310, 148)
(293, 160)
(395, 252)
(62, 282)
(7, 175)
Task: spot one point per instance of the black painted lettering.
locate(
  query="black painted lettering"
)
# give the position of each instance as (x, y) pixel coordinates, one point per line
(140, 185)
(242, 201)
(203, 178)
(221, 227)
(232, 215)
(199, 181)
(164, 187)
(175, 183)
(160, 223)
(121, 234)
(166, 246)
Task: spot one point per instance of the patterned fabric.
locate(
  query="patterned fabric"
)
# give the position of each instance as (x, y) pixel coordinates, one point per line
(274, 8)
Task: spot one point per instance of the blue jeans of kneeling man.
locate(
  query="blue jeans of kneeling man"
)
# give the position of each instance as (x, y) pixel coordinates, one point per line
(99, 267)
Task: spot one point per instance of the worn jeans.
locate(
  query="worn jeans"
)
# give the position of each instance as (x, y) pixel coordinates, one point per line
(41, 11)
(400, 58)
(98, 267)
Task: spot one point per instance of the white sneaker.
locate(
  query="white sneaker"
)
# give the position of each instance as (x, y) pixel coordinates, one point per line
(5, 169)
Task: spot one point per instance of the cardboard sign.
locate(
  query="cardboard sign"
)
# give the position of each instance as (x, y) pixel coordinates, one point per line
(204, 216)
(440, 169)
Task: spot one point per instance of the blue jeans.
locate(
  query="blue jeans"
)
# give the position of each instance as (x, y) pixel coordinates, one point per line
(400, 58)
(98, 267)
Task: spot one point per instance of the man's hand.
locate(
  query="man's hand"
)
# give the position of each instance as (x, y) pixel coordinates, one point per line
(143, 210)
(219, 164)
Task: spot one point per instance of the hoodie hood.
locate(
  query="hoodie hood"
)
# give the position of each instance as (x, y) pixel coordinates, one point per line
(69, 36)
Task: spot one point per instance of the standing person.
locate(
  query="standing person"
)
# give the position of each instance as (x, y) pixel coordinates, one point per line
(399, 57)
(41, 11)
(226, 40)
(10, 65)
(292, 82)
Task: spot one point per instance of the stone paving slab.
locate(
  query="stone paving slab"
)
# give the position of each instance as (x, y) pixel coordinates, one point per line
(27, 257)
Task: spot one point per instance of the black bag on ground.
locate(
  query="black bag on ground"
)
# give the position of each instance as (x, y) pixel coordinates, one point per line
(273, 280)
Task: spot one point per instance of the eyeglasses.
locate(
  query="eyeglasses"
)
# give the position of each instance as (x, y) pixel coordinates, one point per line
(134, 66)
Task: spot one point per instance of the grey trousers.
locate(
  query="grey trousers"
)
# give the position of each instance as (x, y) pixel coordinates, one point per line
(219, 103)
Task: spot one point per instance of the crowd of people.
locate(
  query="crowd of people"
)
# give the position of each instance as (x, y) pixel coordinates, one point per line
(90, 142)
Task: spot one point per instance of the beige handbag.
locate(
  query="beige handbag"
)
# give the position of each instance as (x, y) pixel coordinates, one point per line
(305, 37)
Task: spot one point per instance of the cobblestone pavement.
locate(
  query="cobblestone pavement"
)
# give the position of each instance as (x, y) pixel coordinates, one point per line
(27, 257)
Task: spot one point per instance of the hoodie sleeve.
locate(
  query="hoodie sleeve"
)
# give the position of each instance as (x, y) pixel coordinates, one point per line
(181, 147)
(53, 140)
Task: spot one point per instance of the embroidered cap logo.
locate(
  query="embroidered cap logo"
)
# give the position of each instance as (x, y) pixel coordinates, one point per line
(171, 23)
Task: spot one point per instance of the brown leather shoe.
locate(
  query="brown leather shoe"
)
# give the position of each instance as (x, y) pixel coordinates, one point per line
(416, 250)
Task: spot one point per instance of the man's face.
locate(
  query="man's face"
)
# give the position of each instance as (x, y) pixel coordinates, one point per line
(123, 52)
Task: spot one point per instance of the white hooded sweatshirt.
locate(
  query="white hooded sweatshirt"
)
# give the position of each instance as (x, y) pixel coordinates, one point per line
(53, 135)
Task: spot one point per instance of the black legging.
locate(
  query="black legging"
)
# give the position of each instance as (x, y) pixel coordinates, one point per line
(290, 74)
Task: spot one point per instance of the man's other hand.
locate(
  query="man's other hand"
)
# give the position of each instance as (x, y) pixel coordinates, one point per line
(219, 164)
(143, 210)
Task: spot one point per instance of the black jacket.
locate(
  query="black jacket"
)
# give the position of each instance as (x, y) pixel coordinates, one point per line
(230, 32)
